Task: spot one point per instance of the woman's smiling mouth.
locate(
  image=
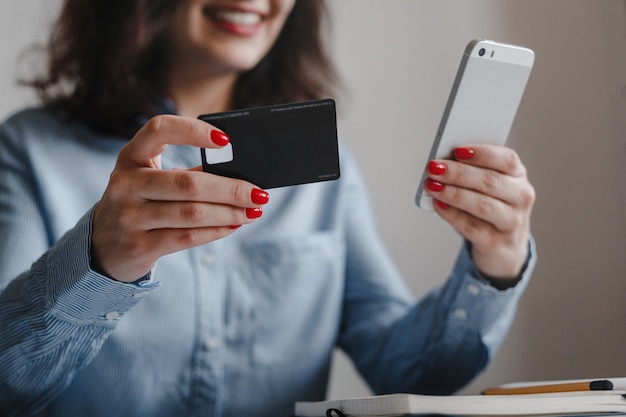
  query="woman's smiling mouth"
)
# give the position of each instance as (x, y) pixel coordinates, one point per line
(240, 22)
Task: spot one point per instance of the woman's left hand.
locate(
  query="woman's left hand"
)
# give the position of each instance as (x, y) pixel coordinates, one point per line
(485, 195)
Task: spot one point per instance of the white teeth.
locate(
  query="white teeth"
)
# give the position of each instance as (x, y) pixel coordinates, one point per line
(238, 18)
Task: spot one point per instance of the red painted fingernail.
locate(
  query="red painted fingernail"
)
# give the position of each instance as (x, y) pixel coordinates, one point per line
(441, 204)
(463, 153)
(235, 226)
(254, 212)
(219, 138)
(259, 196)
(433, 185)
(437, 168)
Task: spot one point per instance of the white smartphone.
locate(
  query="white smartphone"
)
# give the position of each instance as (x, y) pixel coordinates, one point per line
(485, 96)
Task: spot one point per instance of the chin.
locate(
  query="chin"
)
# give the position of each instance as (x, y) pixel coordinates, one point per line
(242, 62)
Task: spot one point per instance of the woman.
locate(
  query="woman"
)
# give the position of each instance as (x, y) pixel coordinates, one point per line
(128, 285)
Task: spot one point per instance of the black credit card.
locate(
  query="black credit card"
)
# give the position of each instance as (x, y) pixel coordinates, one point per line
(277, 146)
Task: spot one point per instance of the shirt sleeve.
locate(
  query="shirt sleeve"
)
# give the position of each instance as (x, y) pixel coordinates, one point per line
(56, 313)
(433, 346)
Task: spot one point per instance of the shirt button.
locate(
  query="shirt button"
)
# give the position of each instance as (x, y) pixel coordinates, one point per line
(145, 282)
(111, 315)
(208, 259)
(460, 314)
(473, 289)
(211, 343)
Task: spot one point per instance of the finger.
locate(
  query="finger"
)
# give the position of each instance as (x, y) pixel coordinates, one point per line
(187, 215)
(469, 226)
(480, 206)
(496, 253)
(485, 181)
(498, 158)
(163, 130)
(191, 185)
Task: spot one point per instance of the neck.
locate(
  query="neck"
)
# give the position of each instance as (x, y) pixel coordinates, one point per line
(194, 96)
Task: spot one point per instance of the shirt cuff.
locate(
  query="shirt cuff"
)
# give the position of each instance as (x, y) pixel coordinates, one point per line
(499, 283)
(478, 304)
(78, 294)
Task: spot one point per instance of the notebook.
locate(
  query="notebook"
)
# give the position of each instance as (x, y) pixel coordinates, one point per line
(562, 403)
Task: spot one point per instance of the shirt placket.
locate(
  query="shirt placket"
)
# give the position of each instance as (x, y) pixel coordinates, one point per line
(208, 365)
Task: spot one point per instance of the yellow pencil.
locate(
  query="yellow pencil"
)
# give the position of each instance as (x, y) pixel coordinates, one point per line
(596, 385)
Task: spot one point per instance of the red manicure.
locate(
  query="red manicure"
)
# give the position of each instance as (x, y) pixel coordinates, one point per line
(433, 185)
(254, 212)
(441, 204)
(259, 196)
(219, 138)
(235, 226)
(464, 153)
(437, 168)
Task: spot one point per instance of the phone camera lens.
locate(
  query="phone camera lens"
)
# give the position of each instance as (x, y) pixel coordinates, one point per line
(481, 52)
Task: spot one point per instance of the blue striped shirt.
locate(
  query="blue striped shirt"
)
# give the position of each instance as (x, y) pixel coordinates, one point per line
(242, 326)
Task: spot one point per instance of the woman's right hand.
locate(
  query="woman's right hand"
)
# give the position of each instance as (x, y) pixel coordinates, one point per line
(147, 212)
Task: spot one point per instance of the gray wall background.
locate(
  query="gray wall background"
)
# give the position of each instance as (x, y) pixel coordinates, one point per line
(398, 59)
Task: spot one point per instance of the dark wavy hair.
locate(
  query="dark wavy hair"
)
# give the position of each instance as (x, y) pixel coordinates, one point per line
(107, 62)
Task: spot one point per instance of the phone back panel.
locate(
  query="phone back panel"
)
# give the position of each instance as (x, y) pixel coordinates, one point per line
(482, 105)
